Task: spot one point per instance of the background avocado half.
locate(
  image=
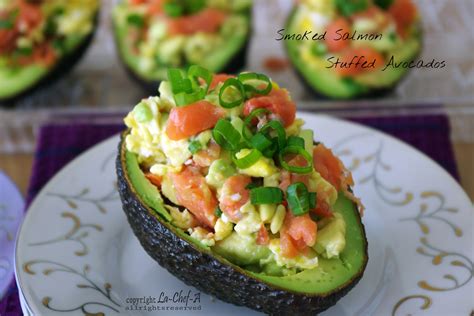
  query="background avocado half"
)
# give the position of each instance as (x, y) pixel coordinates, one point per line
(229, 58)
(328, 85)
(33, 77)
(305, 293)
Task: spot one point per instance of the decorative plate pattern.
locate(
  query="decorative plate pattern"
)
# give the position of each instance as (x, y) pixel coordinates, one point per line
(11, 213)
(76, 254)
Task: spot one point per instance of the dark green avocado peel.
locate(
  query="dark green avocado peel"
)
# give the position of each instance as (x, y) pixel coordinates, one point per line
(198, 266)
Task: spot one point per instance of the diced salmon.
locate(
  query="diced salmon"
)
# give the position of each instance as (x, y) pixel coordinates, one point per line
(404, 13)
(154, 179)
(328, 165)
(218, 78)
(234, 194)
(369, 55)
(278, 102)
(205, 157)
(262, 236)
(335, 29)
(30, 15)
(193, 193)
(302, 228)
(8, 40)
(287, 178)
(208, 21)
(297, 234)
(287, 244)
(186, 121)
(322, 208)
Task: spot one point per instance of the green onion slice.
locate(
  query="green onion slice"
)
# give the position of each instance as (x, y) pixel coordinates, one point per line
(246, 130)
(183, 98)
(195, 73)
(253, 83)
(295, 141)
(194, 146)
(260, 141)
(298, 198)
(266, 195)
(251, 185)
(270, 151)
(248, 160)
(236, 90)
(178, 82)
(279, 129)
(297, 151)
(312, 200)
(218, 211)
(136, 20)
(226, 135)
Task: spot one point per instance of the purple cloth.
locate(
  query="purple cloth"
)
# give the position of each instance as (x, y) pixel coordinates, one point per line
(59, 144)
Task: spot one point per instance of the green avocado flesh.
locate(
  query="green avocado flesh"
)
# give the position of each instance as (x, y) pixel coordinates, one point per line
(216, 61)
(331, 274)
(328, 83)
(16, 80)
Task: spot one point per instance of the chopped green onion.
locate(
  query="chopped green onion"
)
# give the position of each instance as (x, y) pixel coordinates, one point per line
(251, 185)
(218, 211)
(25, 51)
(295, 141)
(195, 6)
(248, 160)
(348, 8)
(298, 198)
(6, 24)
(226, 135)
(246, 133)
(253, 81)
(236, 86)
(183, 98)
(260, 141)
(270, 151)
(297, 151)
(266, 195)
(178, 82)
(312, 200)
(136, 20)
(194, 146)
(384, 4)
(279, 129)
(195, 73)
(173, 9)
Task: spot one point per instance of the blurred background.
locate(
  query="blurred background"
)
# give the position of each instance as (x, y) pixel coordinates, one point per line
(98, 90)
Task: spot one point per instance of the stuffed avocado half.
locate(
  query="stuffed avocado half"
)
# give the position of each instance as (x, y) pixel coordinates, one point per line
(224, 187)
(40, 40)
(154, 35)
(375, 32)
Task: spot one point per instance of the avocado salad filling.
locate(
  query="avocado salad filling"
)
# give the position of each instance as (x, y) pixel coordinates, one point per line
(360, 39)
(155, 34)
(239, 173)
(34, 35)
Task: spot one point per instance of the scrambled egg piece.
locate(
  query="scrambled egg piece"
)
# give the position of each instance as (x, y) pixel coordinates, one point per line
(331, 239)
(148, 138)
(264, 167)
(300, 261)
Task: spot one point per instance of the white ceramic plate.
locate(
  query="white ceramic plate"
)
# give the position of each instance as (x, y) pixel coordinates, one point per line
(11, 213)
(76, 253)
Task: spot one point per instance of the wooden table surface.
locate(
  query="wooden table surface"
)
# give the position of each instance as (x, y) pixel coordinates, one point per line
(18, 167)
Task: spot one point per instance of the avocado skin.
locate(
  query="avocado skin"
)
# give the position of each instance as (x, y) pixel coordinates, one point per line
(374, 93)
(233, 66)
(213, 276)
(62, 67)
